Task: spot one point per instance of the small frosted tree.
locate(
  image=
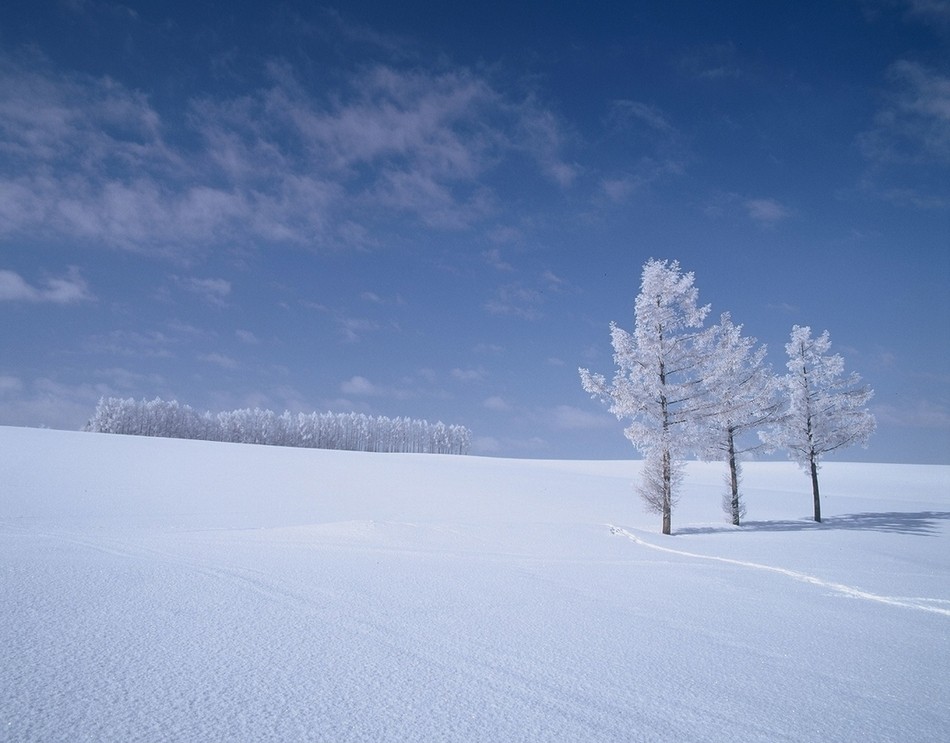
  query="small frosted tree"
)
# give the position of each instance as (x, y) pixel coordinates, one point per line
(658, 384)
(743, 390)
(824, 408)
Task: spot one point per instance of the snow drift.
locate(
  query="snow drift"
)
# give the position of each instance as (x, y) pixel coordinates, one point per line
(159, 589)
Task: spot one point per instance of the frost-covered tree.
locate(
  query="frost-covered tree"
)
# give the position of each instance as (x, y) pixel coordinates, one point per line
(743, 390)
(315, 430)
(658, 384)
(824, 408)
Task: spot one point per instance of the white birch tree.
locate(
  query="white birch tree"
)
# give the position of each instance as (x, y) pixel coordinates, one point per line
(824, 408)
(658, 384)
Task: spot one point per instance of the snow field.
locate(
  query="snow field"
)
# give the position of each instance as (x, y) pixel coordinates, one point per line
(155, 589)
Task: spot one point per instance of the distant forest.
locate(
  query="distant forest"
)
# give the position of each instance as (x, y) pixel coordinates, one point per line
(349, 431)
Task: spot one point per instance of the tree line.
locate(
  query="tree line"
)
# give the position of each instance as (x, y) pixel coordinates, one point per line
(688, 389)
(349, 431)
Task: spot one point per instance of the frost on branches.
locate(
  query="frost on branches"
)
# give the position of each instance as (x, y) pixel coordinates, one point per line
(742, 399)
(659, 382)
(687, 389)
(824, 408)
(350, 431)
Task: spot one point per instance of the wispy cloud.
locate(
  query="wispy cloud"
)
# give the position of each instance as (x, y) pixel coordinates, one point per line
(714, 62)
(922, 414)
(69, 289)
(354, 328)
(372, 297)
(907, 146)
(932, 12)
(766, 211)
(49, 402)
(647, 130)
(469, 375)
(10, 384)
(147, 345)
(567, 417)
(219, 359)
(497, 404)
(493, 258)
(92, 159)
(784, 307)
(914, 123)
(361, 387)
(624, 113)
(553, 282)
(517, 300)
(212, 291)
(542, 135)
(132, 382)
(246, 336)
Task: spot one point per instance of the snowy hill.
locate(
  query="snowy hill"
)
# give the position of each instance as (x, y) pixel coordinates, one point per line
(165, 590)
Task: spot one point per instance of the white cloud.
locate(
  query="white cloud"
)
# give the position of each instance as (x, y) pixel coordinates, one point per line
(766, 211)
(716, 62)
(914, 125)
(354, 328)
(360, 387)
(496, 403)
(554, 282)
(619, 190)
(10, 384)
(920, 414)
(145, 385)
(907, 146)
(89, 158)
(485, 445)
(936, 12)
(541, 134)
(48, 402)
(65, 290)
(568, 417)
(784, 307)
(493, 258)
(626, 113)
(219, 359)
(663, 151)
(213, 291)
(488, 348)
(246, 336)
(469, 375)
(517, 300)
(148, 345)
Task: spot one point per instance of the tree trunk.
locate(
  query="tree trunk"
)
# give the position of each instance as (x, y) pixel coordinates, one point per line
(733, 479)
(814, 487)
(667, 492)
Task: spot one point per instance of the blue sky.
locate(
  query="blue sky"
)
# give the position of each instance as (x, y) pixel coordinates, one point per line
(435, 211)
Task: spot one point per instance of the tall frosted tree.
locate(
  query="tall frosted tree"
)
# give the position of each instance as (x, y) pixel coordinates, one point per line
(743, 391)
(824, 408)
(658, 384)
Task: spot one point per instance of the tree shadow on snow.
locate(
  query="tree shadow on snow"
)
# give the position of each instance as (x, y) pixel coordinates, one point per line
(922, 523)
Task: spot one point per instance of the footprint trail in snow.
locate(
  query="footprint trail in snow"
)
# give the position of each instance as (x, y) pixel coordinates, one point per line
(923, 604)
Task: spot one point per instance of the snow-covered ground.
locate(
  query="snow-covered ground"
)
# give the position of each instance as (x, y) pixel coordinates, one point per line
(163, 590)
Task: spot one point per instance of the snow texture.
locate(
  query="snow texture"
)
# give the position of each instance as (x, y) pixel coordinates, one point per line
(168, 590)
